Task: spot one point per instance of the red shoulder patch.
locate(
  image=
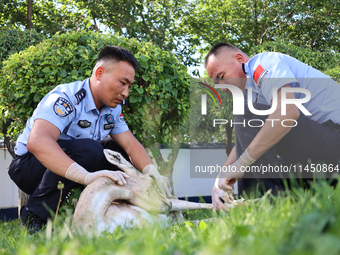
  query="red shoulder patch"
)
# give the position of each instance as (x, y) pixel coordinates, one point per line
(258, 71)
(121, 117)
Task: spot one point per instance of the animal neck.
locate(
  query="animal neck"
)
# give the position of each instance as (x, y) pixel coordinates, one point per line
(113, 192)
(106, 191)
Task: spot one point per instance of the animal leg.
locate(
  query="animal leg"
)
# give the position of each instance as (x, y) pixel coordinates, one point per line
(179, 205)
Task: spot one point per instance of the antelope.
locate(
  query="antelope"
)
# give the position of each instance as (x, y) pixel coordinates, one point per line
(104, 205)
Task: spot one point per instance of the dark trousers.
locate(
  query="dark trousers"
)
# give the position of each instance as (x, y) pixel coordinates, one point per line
(34, 179)
(309, 141)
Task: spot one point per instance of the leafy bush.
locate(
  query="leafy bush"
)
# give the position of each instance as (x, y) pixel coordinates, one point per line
(13, 41)
(158, 103)
(334, 73)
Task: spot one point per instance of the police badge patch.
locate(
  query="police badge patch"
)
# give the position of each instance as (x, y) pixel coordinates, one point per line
(62, 107)
(110, 118)
(111, 122)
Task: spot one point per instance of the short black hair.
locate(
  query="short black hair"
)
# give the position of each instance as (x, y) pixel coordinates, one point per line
(215, 50)
(119, 54)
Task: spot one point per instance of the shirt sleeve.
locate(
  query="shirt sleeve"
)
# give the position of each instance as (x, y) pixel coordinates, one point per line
(271, 72)
(57, 109)
(120, 124)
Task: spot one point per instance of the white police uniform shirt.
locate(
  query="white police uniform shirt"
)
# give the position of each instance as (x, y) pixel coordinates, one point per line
(269, 70)
(71, 108)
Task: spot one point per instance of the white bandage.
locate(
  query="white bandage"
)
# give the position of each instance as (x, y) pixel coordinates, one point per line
(76, 173)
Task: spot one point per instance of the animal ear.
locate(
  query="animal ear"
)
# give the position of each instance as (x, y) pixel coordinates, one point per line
(117, 159)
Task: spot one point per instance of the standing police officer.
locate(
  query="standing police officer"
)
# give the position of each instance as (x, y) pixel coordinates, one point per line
(299, 138)
(64, 138)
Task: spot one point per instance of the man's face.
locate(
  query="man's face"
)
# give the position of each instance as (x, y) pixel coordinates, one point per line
(225, 69)
(114, 82)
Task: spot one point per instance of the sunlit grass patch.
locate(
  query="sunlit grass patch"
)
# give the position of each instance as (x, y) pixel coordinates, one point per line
(296, 222)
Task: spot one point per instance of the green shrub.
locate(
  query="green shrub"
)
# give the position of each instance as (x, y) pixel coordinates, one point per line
(334, 73)
(158, 104)
(13, 41)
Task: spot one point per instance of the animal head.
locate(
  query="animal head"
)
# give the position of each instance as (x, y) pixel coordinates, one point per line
(141, 189)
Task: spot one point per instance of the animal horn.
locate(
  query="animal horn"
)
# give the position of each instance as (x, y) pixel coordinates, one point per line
(117, 159)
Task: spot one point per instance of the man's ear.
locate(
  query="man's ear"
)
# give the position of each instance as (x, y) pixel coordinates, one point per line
(99, 73)
(239, 58)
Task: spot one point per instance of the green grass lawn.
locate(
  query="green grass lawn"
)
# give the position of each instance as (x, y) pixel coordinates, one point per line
(297, 222)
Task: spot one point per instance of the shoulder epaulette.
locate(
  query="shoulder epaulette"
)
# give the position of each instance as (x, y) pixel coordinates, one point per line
(80, 95)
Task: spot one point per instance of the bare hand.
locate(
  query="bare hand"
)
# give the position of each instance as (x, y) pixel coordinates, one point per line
(117, 176)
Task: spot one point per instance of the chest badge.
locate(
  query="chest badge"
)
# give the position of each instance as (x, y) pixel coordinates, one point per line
(110, 118)
(111, 122)
(84, 123)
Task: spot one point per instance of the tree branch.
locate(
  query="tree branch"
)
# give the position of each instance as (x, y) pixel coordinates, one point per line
(29, 14)
(276, 27)
(8, 143)
(95, 24)
(156, 153)
(174, 152)
(19, 13)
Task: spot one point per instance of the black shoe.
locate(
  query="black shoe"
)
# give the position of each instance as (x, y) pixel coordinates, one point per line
(32, 221)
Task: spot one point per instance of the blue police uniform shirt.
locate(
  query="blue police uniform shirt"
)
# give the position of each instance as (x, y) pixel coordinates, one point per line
(71, 108)
(269, 70)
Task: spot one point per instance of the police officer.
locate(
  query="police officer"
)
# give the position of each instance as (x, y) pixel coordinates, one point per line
(64, 138)
(308, 132)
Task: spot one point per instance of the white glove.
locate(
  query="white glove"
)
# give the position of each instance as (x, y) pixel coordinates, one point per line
(237, 169)
(218, 193)
(163, 182)
(227, 179)
(78, 174)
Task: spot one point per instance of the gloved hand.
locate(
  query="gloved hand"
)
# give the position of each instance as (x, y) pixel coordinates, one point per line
(163, 182)
(217, 193)
(236, 171)
(215, 197)
(78, 174)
